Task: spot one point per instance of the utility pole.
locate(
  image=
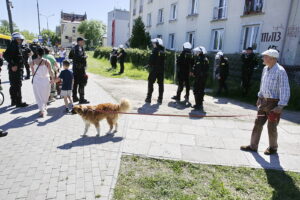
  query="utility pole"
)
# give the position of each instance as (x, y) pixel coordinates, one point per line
(38, 11)
(9, 6)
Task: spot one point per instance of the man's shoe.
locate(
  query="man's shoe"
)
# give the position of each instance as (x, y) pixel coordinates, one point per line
(270, 151)
(21, 105)
(3, 133)
(67, 110)
(197, 107)
(176, 98)
(75, 99)
(248, 148)
(148, 100)
(84, 101)
(26, 78)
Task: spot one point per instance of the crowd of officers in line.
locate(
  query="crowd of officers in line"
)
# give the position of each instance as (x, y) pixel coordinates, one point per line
(18, 56)
(191, 63)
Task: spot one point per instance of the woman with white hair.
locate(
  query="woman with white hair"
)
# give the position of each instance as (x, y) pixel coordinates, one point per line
(200, 72)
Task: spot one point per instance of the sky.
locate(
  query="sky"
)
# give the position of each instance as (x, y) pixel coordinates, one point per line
(24, 13)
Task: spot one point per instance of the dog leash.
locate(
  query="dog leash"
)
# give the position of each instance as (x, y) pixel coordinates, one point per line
(173, 115)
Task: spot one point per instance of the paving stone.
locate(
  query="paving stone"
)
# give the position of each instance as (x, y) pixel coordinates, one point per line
(165, 150)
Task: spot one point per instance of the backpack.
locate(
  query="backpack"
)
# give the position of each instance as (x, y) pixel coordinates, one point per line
(71, 54)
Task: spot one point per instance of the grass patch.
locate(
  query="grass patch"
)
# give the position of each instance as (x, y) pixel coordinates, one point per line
(101, 66)
(152, 179)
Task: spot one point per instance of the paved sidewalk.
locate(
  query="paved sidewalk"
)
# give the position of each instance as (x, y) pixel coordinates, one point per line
(48, 159)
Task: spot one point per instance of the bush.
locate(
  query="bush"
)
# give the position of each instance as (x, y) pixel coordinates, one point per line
(139, 58)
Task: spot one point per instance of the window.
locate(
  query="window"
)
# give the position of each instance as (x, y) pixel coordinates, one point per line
(173, 12)
(141, 6)
(220, 11)
(160, 18)
(253, 6)
(74, 29)
(150, 1)
(250, 37)
(193, 7)
(190, 37)
(171, 43)
(217, 39)
(66, 37)
(149, 20)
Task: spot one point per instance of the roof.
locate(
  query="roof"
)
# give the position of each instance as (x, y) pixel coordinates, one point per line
(73, 17)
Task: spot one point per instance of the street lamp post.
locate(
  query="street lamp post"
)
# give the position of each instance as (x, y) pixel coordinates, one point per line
(9, 6)
(38, 11)
(47, 17)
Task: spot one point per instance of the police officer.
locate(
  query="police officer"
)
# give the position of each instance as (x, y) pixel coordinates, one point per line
(26, 53)
(121, 57)
(13, 55)
(249, 61)
(113, 58)
(184, 64)
(200, 72)
(156, 69)
(79, 66)
(222, 72)
(34, 47)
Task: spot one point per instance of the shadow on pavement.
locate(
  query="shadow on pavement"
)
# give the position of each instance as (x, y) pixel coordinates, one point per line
(182, 105)
(148, 108)
(6, 109)
(20, 122)
(86, 141)
(26, 109)
(55, 114)
(197, 112)
(282, 183)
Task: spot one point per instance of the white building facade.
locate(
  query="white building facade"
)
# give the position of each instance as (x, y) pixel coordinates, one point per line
(118, 27)
(224, 25)
(69, 24)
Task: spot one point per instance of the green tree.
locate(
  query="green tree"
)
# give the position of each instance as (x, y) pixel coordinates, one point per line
(139, 38)
(28, 35)
(48, 34)
(93, 31)
(4, 27)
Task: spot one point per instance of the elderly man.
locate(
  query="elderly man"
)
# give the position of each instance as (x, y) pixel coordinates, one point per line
(273, 96)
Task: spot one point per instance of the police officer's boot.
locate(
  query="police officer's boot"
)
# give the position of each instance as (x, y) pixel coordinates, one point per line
(199, 103)
(148, 99)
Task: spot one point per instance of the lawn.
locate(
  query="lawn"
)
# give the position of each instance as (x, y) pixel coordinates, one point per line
(101, 66)
(152, 179)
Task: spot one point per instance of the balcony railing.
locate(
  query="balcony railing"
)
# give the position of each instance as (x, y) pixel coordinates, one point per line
(252, 7)
(220, 13)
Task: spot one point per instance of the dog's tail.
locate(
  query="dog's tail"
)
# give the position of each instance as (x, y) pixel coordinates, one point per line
(124, 105)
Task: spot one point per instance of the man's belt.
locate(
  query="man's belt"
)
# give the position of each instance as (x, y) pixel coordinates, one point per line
(270, 99)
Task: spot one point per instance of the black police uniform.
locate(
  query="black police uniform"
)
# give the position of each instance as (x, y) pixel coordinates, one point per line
(13, 55)
(222, 74)
(184, 63)
(113, 59)
(156, 72)
(200, 71)
(80, 77)
(122, 56)
(26, 51)
(34, 47)
(249, 63)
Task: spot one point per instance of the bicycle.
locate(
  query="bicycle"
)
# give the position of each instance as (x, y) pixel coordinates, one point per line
(1, 96)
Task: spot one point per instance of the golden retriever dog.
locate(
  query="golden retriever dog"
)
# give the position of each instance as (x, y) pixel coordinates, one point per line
(94, 114)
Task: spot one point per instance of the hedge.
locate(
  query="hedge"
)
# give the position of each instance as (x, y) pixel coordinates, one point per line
(139, 58)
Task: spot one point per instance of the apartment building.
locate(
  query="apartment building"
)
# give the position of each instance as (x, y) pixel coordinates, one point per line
(118, 27)
(224, 25)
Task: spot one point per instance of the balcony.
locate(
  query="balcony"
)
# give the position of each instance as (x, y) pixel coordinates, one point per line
(253, 7)
(134, 12)
(220, 13)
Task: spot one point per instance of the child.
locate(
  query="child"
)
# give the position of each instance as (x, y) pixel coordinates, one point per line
(67, 78)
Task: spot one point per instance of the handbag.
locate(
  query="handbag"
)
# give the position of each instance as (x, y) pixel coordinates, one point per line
(36, 71)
